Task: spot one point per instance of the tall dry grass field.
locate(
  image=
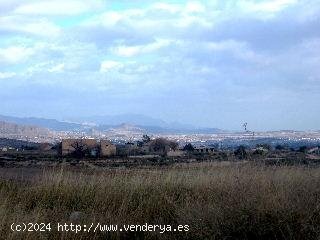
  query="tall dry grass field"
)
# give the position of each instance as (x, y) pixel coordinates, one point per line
(216, 201)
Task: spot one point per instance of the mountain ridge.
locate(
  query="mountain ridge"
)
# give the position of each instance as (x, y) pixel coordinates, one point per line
(105, 123)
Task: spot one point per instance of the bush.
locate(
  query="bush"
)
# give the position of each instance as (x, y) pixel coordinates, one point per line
(188, 147)
(241, 152)
(280, 147)
(303, 149)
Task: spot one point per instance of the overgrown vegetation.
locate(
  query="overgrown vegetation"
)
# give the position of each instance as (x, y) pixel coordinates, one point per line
(217, 201)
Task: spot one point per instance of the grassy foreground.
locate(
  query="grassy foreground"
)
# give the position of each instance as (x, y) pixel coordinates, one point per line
(217, 202)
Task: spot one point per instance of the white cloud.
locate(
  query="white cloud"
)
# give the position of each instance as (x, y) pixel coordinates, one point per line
(57, 68)
(109, 65)
(155, 17)
(4, 75)
(15, 54)
(35, 26)
(127, 51)
(57, 7)
(36, 68)
(195, 7)
(130, 51)
(272, 6)
(172, 8)
(111, 18)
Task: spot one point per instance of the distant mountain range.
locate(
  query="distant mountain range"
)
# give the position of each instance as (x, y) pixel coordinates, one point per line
(51, 124)
(106, 123)
(132, 119)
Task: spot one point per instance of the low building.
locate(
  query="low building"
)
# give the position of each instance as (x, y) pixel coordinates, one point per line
(70, 146)
(107, 149)
(91, 147)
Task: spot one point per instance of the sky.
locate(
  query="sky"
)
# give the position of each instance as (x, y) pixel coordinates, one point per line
(213, 63)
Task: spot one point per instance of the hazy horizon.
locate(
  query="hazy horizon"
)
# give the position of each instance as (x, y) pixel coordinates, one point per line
(206, 63)
(169, 124)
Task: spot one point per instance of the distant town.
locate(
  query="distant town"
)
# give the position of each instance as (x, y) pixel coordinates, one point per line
(130, 139)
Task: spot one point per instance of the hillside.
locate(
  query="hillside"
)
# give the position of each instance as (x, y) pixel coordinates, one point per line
(138, 123)
(25, 132)
(51, 124)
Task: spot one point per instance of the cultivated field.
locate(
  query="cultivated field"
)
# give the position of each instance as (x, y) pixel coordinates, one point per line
(216, 200)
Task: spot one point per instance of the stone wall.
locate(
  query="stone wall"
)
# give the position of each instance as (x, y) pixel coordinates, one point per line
(107, 149)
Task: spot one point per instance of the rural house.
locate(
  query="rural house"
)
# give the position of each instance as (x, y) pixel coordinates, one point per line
(91, 147)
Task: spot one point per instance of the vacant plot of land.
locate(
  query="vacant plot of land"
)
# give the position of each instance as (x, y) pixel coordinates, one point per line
(216, 201)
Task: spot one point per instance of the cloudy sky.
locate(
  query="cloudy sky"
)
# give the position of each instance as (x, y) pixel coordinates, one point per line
(214, 63)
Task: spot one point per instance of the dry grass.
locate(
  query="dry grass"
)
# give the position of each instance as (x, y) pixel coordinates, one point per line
(216, 201)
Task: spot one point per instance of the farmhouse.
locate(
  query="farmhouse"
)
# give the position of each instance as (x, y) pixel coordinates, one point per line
(91, 147)
(107, 149)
